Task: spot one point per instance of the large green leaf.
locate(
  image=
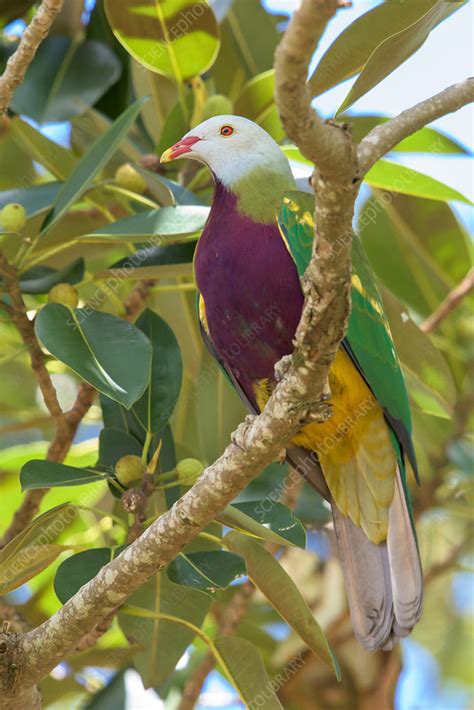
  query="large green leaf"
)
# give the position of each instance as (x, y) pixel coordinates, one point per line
(427, 375)
(244, 667)
(176, 38)
(426, 140)
(209, 570)
(156, 405)
(172, 224)
(257, 102)
(399, 46)
(282, 593)
(79, 569)
(399, 178)
(427, 249)
(41, 279)
(106, 351)
(163, 641)
(91, 163)
(34, 548)
(65, 78)
(47, 474)
(353, 48)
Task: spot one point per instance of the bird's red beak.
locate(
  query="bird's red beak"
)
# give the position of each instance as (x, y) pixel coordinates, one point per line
(178, 149)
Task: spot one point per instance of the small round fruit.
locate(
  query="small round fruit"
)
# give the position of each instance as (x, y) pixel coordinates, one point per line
(189, 470)
(128, 178)
(13, 217)
(217, 105)
(129, 470)
(65, 294)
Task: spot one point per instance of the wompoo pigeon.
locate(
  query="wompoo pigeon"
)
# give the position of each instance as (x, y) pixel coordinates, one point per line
(249, 261)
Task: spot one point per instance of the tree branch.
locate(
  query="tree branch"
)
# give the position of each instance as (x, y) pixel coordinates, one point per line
(449, 304)
(327, 145)
(20, 60)
(66, 424)
(381, 139)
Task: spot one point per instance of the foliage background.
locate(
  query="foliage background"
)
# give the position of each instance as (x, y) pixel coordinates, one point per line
(438, 657)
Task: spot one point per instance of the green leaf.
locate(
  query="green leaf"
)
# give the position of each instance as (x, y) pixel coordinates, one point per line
(176, 123)
(399, 46)
(178, 38)
(156, 405)
(34, 199)
(280, 590)
(257, 102)
(106, 351)
(41, 279)
(210, 570)
(171, 224)
(115, 443)
(65, 78)
(91, 163)
(34, 549)
(79, 569)
(429, 251)
(175, 193)
(249, 40)
(352, 49)
(160, 256)
(54, 157)
(427, 375)
(276, 517)
(399, 178)
(266, 520)
(244, 667)
(47, 474)
(426, 140)
(163, 642)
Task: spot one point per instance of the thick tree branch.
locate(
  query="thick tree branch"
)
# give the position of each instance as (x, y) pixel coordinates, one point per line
(20, 60)
(451, 301)
(386, 136)
(327, 145)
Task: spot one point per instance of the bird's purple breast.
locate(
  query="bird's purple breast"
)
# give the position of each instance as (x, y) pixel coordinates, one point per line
(251, 291)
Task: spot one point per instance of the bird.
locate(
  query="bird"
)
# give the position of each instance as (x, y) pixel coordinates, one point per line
(248, 266)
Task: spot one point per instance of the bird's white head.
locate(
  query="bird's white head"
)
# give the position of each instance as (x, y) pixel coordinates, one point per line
(242, 156)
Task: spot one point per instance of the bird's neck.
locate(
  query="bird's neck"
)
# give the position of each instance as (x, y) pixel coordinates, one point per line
(258, 194)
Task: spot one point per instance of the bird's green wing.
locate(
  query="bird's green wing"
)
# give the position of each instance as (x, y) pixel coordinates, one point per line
(368, 341)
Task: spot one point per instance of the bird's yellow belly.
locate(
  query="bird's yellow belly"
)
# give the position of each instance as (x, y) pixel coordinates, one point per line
(353, 448)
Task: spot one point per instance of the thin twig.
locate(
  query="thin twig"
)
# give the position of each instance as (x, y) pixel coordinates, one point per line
(20, 60)
(381, 139)
(452, 300)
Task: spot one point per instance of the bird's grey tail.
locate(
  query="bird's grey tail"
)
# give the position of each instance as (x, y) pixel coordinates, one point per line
(384, 581)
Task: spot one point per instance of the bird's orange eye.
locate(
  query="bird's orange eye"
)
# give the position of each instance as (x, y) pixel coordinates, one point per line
(226, 131)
